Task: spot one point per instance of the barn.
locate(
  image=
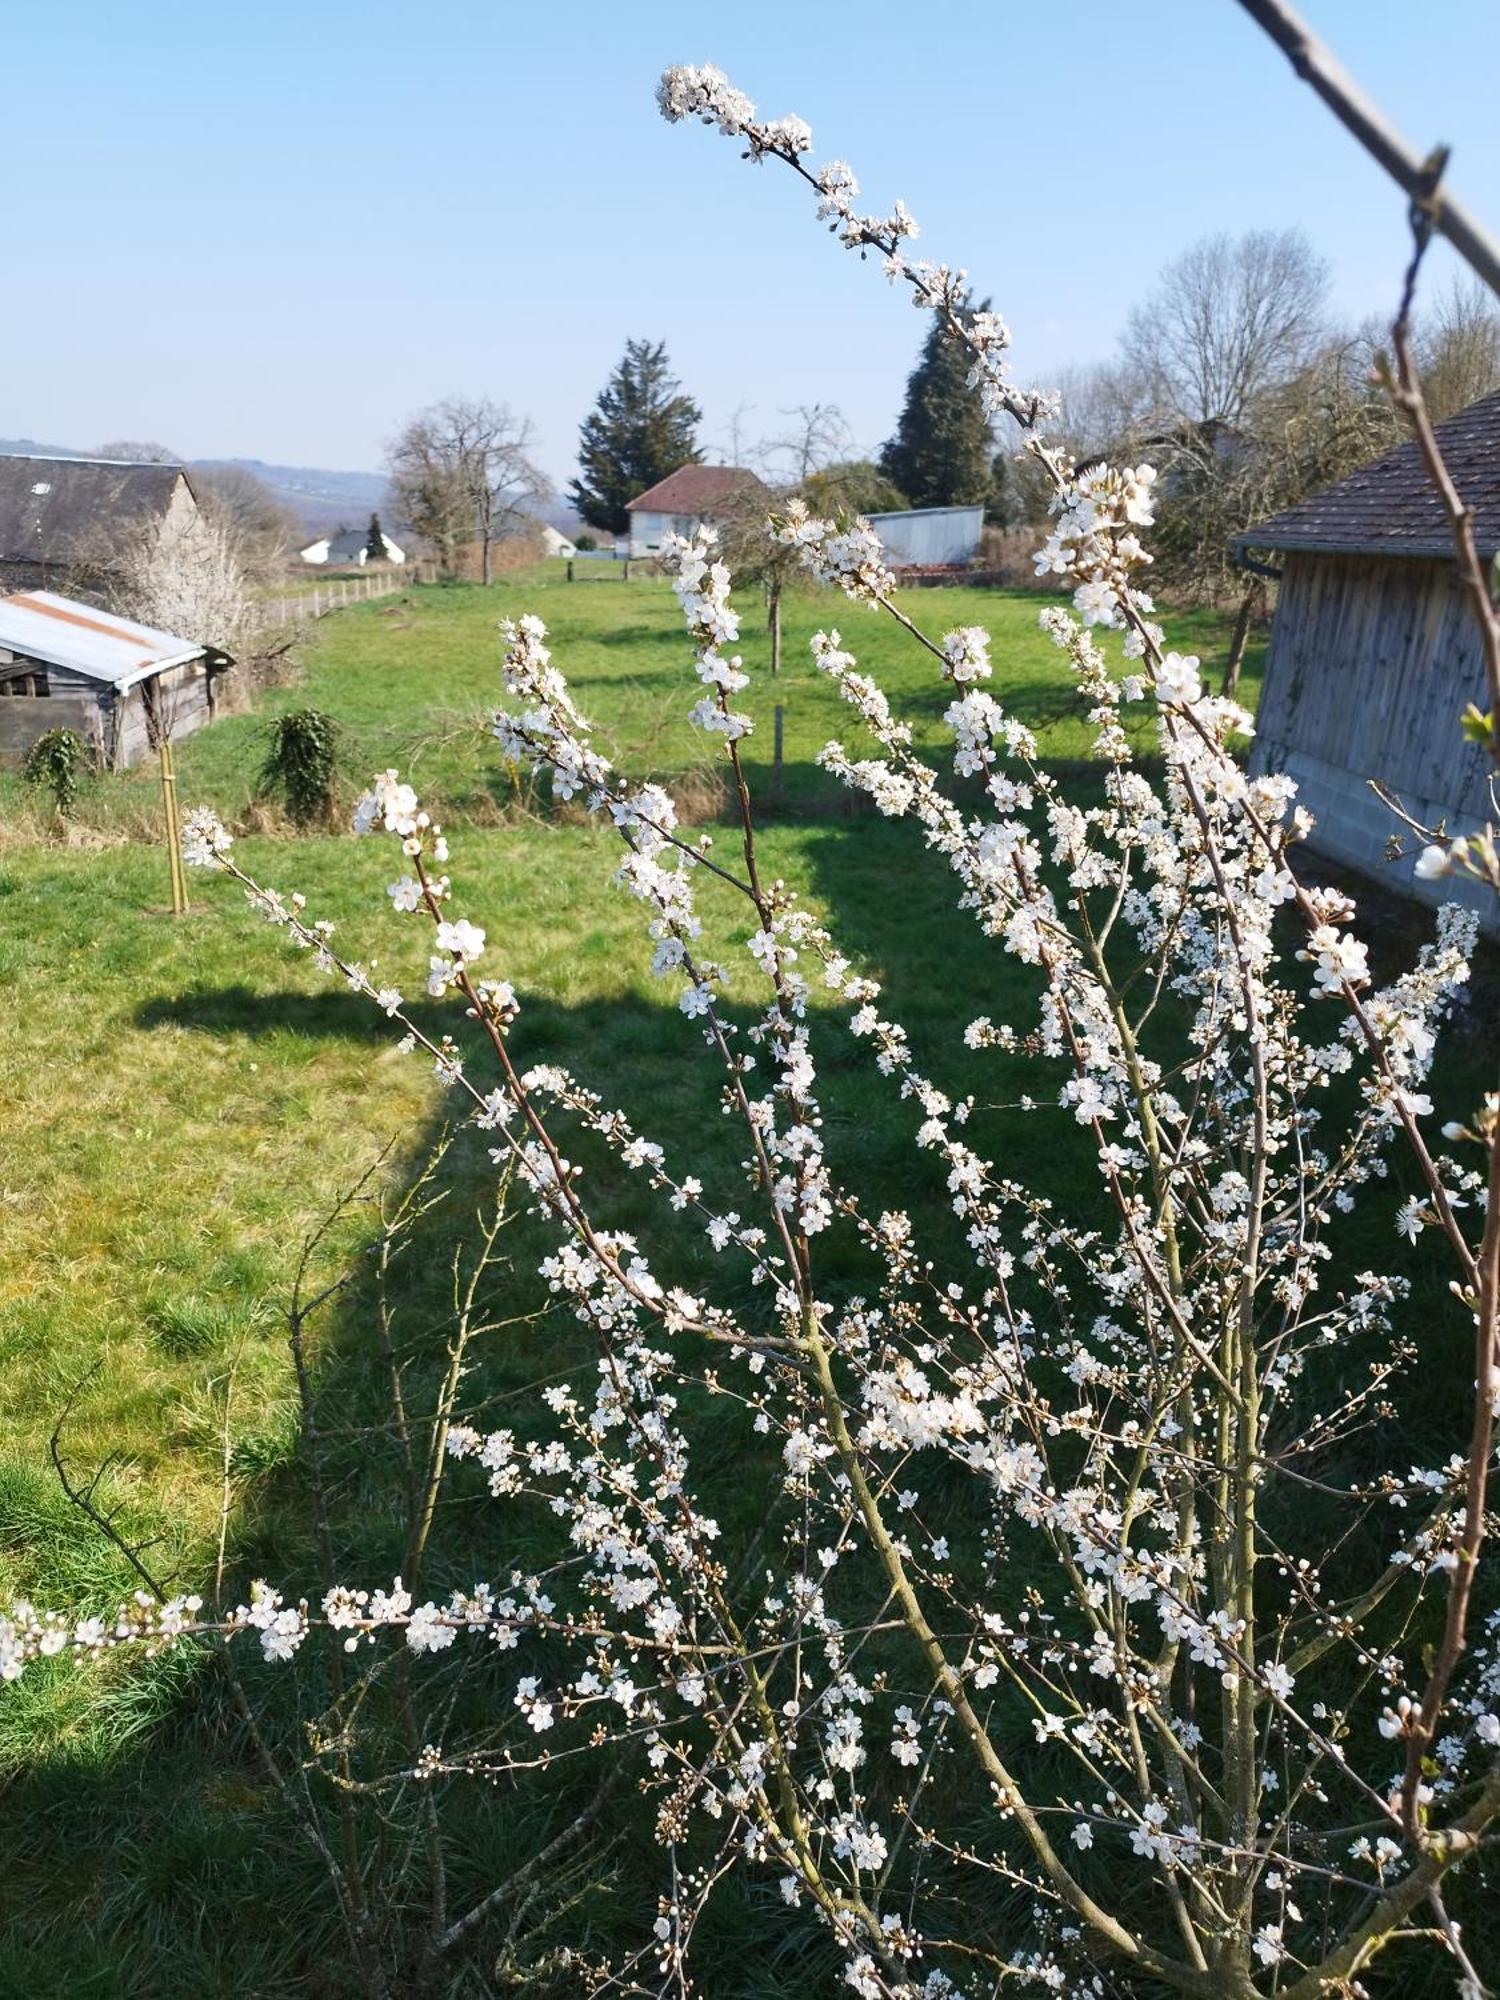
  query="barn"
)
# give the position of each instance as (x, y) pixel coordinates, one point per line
(121, 686)
(1374, 653)
(64, 522)
(929, 537)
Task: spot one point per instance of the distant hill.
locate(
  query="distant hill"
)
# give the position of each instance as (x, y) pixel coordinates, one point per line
(320, 499)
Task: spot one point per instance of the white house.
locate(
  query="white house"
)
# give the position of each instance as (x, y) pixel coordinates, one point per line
(350, 545)
(678, 504)
(556, 543)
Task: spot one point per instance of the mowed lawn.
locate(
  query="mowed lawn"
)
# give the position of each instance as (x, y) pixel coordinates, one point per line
(184, 1103)
(413, 680)
(184, 1099)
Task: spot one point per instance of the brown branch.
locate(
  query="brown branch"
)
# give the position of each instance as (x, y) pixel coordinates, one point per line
(1317, 65)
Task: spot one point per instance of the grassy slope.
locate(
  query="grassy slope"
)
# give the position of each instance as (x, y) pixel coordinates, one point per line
(184, 1101)
(412, 683)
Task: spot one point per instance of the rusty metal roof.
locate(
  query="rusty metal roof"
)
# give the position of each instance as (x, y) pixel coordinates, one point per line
(1391, 507)
(695, 489)
(61, 632)
(61, 510)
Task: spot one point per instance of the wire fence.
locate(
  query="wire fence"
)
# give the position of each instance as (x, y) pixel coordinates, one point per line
(338, 592)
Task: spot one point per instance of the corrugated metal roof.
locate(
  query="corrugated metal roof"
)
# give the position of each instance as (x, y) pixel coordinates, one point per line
(1392, 507)
(61, 632)
(924, 513)
(69, 509)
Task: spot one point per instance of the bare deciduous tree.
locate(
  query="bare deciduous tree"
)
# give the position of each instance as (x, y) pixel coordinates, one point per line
(462, 471)
(1458, 350)
(1228, 318)
(818, 434)
(134, 451)
(267, 528)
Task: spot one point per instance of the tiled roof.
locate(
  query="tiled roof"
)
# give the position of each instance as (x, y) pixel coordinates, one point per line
(64, 509)
(695, 489)
(1391, 507)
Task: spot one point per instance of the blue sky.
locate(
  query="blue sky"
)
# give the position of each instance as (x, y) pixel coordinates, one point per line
(274, 231)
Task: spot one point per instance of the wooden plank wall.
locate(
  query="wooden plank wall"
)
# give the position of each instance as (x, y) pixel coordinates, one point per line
(1373, 659)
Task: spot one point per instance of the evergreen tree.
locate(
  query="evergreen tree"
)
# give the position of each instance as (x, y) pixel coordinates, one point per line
(375, 541)
(943, 451)
(640, 429)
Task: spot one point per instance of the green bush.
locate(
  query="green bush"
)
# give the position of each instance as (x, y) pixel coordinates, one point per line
(56, 763)
(301, 763)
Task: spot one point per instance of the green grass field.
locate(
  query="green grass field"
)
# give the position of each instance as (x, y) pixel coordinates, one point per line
(186, 1100)
(412, 681)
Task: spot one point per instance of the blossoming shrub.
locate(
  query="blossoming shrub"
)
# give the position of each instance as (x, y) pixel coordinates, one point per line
(1069, 1655)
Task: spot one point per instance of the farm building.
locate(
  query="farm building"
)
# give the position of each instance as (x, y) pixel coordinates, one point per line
(929, 537)
(66, 665)
(349, 545)
(680, 503)
(64, 521)
(555, 542)
(1374, 653)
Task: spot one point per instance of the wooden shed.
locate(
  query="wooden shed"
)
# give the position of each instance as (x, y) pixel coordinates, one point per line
(1374, 653)
(121, 686)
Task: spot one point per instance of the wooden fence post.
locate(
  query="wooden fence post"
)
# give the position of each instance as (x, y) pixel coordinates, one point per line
(169, 809)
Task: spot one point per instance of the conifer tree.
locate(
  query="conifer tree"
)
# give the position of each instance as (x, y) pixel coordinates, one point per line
(375, 541)
(943, 451)
(641, 428)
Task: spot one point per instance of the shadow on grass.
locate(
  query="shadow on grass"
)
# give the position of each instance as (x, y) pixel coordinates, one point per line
(156, 1854)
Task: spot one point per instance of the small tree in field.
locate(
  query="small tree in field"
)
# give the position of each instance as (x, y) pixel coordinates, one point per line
(375, 541)
(301, 764)
(56, 764)
(1094, 1631)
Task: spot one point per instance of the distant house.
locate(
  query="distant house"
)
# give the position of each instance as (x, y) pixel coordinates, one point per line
(929, 537)
(67, 521)
(121, 686)
(680, 503)
(555, 542)
(349, 545)
(1374, 652)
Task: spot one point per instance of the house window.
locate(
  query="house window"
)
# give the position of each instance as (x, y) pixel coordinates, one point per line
(33, 682)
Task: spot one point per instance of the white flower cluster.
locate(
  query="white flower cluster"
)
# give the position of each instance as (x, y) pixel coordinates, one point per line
(702, 586)
(1094, 546)
(851, 557)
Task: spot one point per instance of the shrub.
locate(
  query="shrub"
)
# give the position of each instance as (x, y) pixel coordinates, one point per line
(301, 764)
(56, 763)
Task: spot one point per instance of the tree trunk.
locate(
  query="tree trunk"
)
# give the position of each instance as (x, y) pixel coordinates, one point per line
(1250, 606)
(485, 563)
